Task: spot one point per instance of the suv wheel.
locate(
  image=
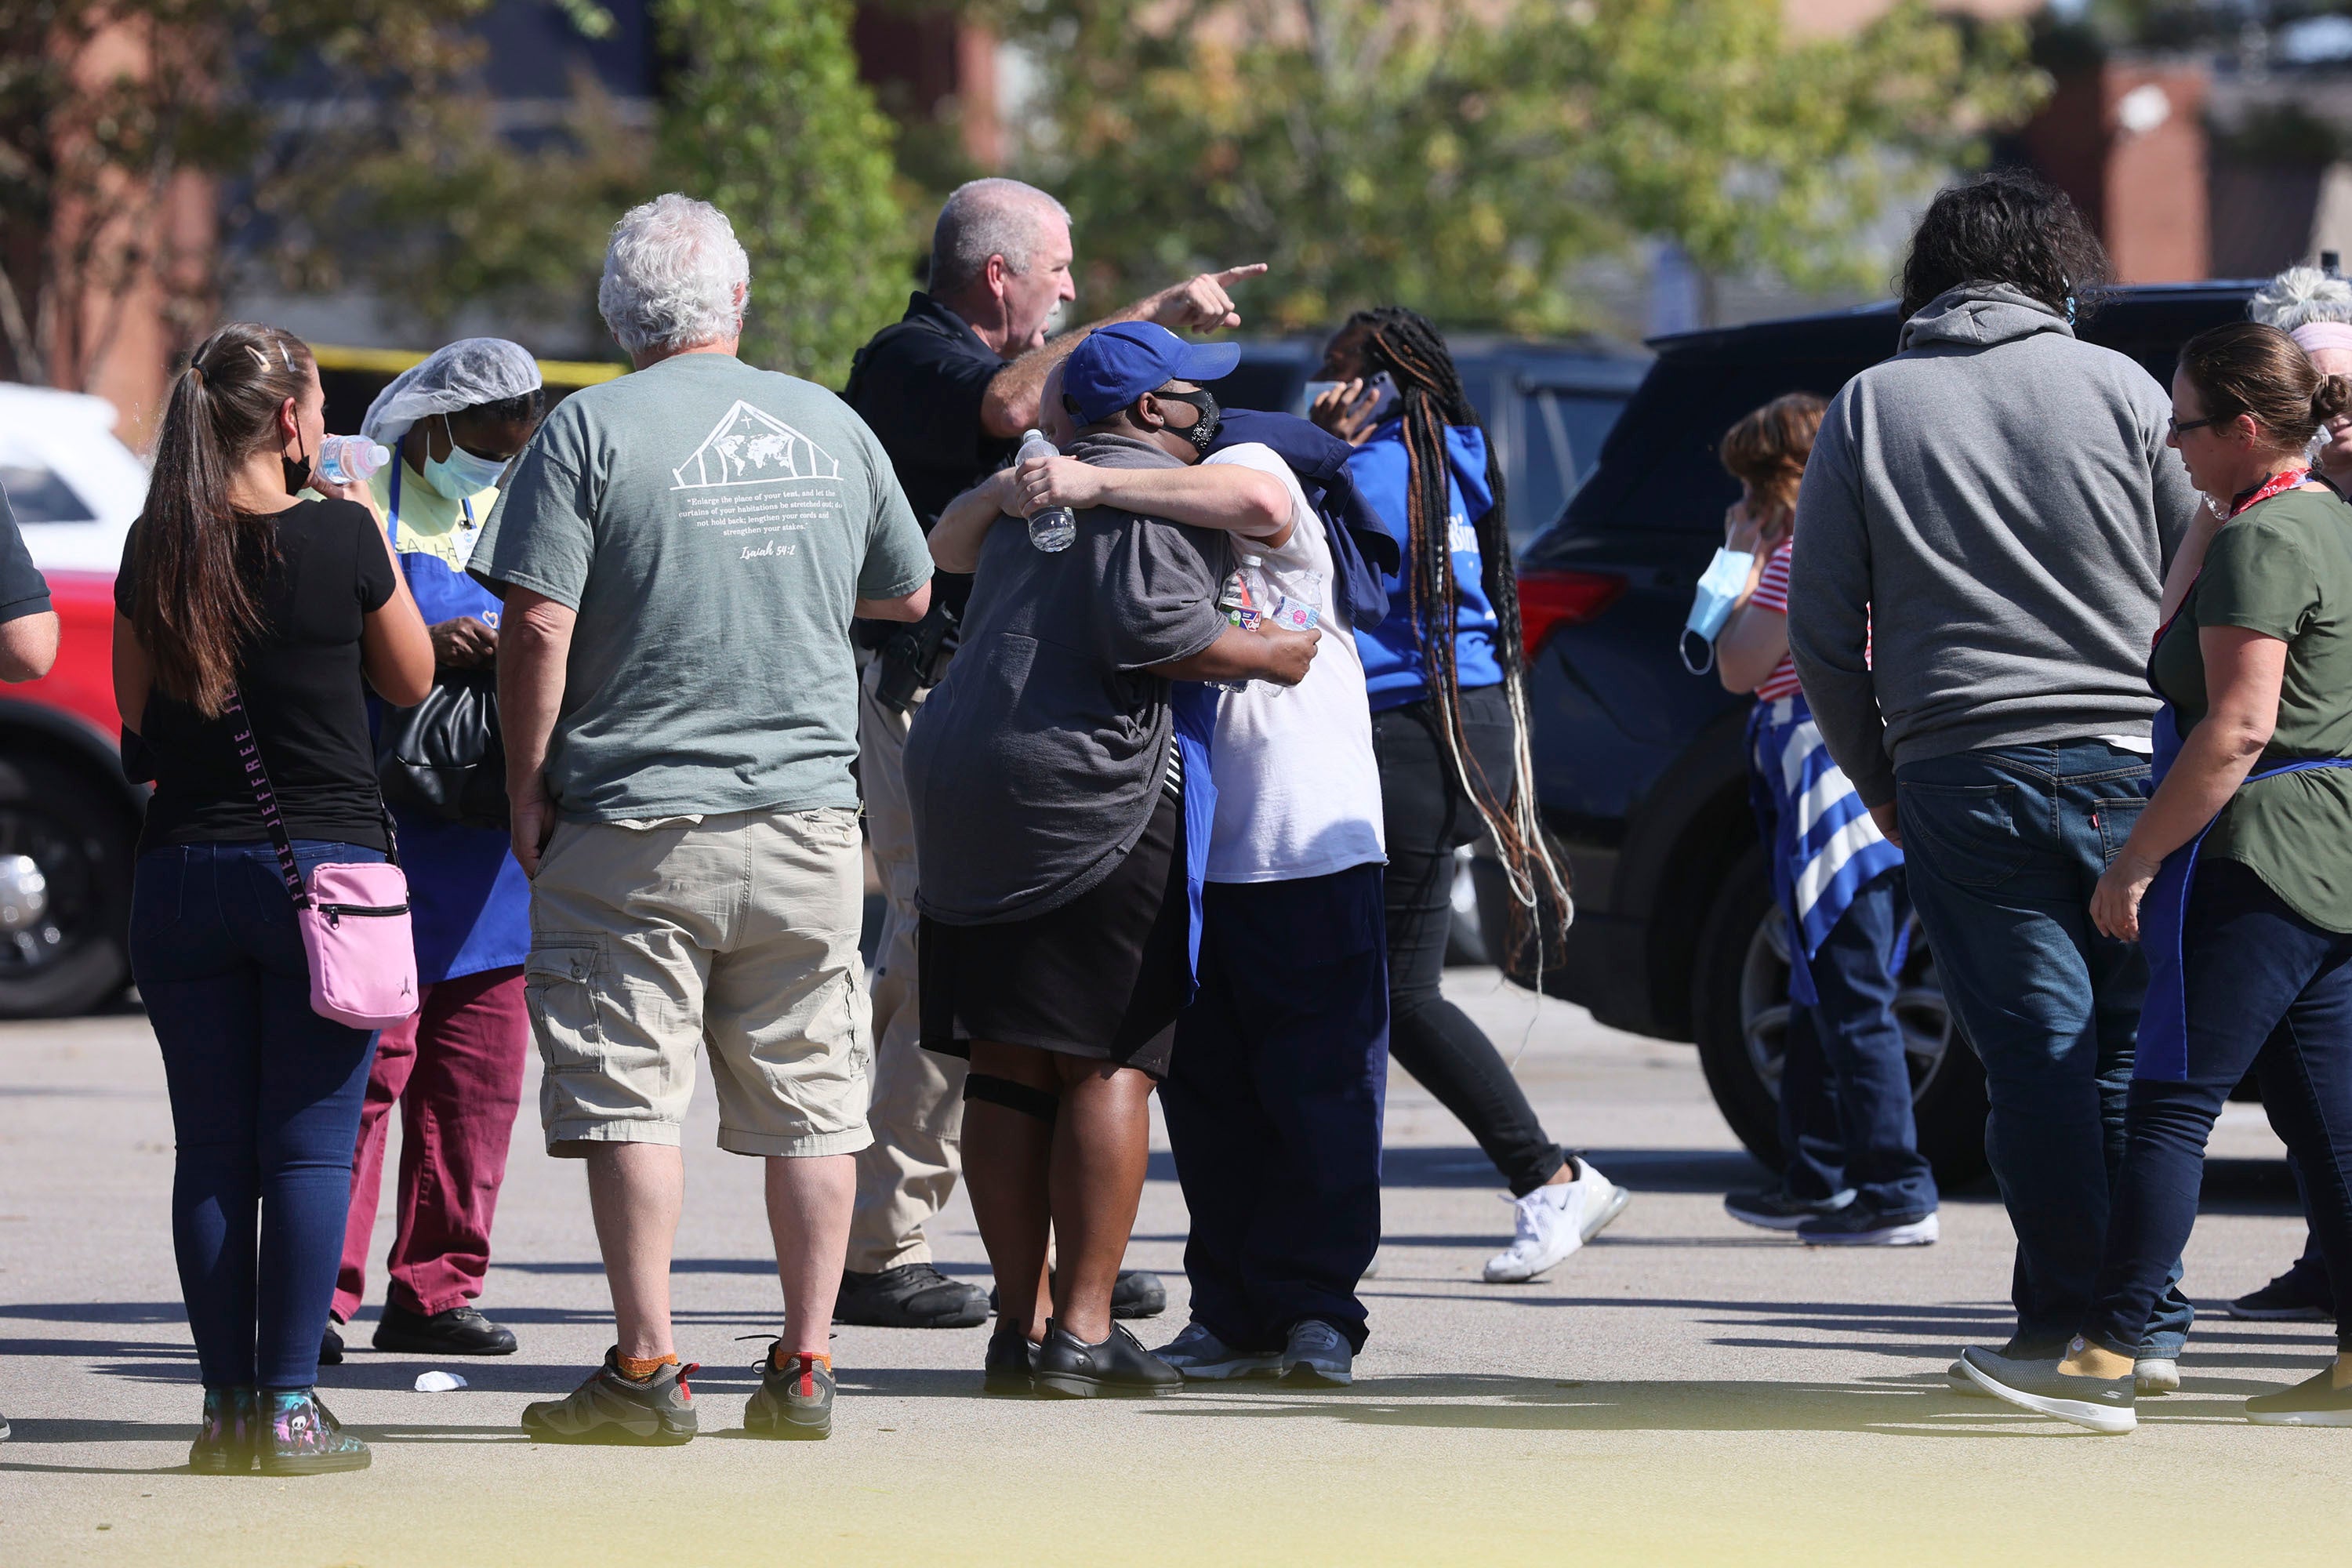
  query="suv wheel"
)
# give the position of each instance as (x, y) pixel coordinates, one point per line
(65, 892)
(1742, 1016)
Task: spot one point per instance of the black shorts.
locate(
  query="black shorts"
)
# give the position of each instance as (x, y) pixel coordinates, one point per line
(1103, 976)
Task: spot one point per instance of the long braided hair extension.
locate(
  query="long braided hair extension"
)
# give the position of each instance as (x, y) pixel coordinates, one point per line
(1404, 343)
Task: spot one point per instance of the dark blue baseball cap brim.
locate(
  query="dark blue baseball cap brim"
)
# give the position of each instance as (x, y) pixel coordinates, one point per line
(1119, 364)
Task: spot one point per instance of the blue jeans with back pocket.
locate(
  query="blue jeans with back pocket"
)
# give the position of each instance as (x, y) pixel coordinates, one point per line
(2002, 849)
(266, 1097)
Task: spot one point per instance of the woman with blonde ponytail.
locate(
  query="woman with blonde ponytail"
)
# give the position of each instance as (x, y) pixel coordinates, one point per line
(1449, 727)
(246, 621)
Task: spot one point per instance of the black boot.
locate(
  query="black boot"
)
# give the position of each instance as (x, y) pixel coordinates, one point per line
(225, 1444)
(911, 1296)
(300, 1437)
(460, 1330)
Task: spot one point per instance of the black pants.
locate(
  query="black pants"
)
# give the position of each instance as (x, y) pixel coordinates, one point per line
(1273, 1102)
(1429, 817)
(2265, 989)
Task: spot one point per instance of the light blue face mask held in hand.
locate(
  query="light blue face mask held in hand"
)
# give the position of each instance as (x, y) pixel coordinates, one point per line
(1719, 586)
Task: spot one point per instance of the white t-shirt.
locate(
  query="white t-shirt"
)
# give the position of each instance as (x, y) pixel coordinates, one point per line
(1298, 791)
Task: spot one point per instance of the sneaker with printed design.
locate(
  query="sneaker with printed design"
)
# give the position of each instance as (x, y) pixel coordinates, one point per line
(614, 1408)
(794, 1398)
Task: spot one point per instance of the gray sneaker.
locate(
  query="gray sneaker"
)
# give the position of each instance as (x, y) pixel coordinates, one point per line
(1202, 1357)
(2100, 1404)
(1318, 1356)
(794, 1400)
(611, 1407)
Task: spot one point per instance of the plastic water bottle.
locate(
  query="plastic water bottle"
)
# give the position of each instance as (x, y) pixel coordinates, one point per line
(1056, 527)
(350, 460)
(1244, 604)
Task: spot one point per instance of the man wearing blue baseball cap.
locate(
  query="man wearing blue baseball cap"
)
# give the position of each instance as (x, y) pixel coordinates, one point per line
(1057, 824)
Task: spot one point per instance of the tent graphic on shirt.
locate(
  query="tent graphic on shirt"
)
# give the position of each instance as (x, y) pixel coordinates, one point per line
(749, 448)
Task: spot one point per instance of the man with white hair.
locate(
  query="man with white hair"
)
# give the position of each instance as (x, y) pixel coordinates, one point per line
(949, 388)
(680, 553)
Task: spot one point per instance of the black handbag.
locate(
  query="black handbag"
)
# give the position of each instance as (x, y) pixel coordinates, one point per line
(444, 757)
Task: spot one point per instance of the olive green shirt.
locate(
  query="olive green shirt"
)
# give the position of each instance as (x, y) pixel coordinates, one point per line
(2283, 568)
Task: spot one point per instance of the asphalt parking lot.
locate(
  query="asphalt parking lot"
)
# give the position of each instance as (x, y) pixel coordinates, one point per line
(1684, 1390)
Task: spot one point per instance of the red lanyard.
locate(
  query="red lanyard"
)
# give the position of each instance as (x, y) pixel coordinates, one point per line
(2272, 486)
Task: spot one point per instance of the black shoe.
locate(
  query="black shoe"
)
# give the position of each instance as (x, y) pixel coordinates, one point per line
(1010, 1360)
(2294, 1296)
(1775, 1209)
(1069, 1368)
(2101, 1403)
(225, 1443)
(1136, 1293)
(1857, 1225)
(612, 1407)
(794, 1400)
(911, 1296)
(300, 1437)
(2311, 1403)
(460, 1330)
(331, 1347)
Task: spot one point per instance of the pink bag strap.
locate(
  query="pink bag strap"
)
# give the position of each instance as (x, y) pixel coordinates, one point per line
(248, 752)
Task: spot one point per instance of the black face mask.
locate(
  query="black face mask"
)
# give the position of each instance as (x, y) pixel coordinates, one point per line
(298, 471)
(1202, 431)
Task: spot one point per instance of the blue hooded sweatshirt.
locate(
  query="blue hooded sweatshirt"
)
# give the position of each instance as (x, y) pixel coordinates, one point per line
(1392, 671)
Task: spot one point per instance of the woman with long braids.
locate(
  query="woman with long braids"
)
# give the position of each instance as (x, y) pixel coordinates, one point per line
(1449, 728)
(245, 622)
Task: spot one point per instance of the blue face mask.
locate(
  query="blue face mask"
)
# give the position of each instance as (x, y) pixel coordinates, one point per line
(461, 474)
(1719, 586)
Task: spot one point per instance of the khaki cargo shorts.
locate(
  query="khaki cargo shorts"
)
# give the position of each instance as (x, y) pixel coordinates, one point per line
(738, 933)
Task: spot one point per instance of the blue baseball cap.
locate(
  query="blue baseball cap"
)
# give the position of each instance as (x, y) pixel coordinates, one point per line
(1119, 364)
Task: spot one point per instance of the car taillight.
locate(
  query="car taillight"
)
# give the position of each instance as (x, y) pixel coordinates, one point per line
(1548, 599)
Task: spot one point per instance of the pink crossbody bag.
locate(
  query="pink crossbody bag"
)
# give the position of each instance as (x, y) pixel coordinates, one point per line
(353, 915)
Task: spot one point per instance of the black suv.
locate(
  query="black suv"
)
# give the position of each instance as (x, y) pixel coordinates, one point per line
(1640, 764)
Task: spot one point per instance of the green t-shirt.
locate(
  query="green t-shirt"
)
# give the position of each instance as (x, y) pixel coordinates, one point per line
(2284, 568)
(713, 525)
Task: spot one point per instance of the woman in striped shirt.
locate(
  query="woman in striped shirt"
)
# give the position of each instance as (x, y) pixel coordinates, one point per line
(1852, 1175)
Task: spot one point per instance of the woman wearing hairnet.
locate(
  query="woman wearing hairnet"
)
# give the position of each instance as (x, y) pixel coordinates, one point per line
(456, 1066)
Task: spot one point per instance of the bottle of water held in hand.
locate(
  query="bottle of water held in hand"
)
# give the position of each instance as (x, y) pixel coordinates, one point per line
(1244, 604)
(350, 460)
(1056, 527)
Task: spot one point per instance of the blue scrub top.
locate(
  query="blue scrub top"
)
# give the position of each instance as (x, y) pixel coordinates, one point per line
(469, 899)
(1394, 675)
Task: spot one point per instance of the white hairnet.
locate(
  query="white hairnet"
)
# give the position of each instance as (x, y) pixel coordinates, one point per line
(465, 375)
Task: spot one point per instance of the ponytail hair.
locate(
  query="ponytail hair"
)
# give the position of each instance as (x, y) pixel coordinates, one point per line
(193, 608)
(1405, 344)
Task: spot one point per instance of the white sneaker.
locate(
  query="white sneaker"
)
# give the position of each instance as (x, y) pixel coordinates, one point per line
(1554, 1221)
(2155, 1374)
(1202, 1357)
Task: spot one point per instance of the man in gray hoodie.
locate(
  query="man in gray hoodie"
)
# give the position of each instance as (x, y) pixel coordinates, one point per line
(1982, 542)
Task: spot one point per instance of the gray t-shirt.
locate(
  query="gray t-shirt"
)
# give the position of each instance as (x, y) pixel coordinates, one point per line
(713, 525)
(1033, 767)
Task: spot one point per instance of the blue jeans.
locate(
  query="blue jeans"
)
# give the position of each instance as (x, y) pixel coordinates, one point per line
(266, 1099)
(2267, 990)
(2003, 848)
(1845, 1087)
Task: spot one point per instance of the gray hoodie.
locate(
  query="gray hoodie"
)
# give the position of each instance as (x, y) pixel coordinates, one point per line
(1995, 506)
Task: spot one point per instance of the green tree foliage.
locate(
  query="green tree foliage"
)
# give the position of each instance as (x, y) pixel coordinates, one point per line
(1466, 155)
(769, 121)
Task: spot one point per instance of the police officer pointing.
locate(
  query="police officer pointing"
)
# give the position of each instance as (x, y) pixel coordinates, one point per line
(949, 388)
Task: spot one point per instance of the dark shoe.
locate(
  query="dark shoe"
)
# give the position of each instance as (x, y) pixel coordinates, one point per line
(2311, 1403)
(1775, 1209)
(1855, 1225)
(300, 1437)
(2294, 1297)
(1069, 1368)
(331, 1347)
(1318, 1356)
(794, 1400)
(460, 1330)
(1010, 1360)
(2101, 1403)
(911, 1296)
(1137, 1294)
(611, 1407)
(225, 1444)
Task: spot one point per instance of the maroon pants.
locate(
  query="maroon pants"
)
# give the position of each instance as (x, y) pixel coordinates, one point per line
(456, 1066)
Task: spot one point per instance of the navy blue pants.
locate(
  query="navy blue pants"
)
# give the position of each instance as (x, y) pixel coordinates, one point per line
(2268, 990)
(1274, 1104)
(1845, 1086)
(266, 1099)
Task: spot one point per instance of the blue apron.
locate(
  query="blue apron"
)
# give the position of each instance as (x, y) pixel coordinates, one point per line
(1195, 708)
(2163, 1055)
(470, 902)
(1819, 867)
